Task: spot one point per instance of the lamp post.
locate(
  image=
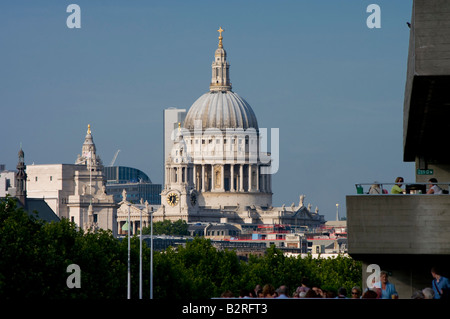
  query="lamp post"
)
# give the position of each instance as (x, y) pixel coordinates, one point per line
(140, 255)
(151, 249)
(129, 254)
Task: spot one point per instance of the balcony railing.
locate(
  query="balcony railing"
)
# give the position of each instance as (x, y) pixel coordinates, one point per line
(409, 188)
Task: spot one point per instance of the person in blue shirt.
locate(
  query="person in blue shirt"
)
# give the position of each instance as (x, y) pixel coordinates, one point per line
(440, 284)
(387, 289)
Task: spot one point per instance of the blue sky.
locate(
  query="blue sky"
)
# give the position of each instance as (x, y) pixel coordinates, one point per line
(313, 69)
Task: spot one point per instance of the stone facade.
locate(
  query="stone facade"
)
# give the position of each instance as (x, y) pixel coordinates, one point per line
(76, 191)
(135, 212)
(216, 171)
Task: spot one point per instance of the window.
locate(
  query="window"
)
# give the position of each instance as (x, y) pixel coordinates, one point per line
(35, 178)
(51, 178)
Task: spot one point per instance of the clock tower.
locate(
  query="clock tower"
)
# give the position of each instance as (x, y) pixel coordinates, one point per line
(178, 196)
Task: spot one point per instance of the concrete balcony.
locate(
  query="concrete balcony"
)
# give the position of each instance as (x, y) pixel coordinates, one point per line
(405, 235)
(398, 224)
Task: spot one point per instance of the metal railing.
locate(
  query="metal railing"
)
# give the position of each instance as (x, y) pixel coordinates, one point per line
(409, 188)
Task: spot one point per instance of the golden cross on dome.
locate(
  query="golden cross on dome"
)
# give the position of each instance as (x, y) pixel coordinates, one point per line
(220, 36)
(89, 129)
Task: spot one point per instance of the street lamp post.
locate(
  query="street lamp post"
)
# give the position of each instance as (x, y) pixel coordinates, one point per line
(151, 249)
(129, 254)
(140, 255)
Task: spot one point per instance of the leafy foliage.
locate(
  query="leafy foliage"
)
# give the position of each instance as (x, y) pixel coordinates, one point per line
(167, 227)
(35, 255)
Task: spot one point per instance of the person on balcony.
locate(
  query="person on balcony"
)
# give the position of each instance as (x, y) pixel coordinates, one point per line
(434, 188)
(375, 189)
(396, 189)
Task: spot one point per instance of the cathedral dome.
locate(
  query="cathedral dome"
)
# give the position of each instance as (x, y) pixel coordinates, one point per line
(221, 110)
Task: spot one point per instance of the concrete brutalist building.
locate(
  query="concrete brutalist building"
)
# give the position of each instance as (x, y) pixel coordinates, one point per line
(408, 234)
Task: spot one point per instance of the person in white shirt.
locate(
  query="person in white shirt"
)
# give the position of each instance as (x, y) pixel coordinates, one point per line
(434, 188)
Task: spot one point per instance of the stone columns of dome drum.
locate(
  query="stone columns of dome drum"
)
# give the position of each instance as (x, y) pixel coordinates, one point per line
(203, 178)
(250, 177)
(222, 178)
(232, 178)
(257, 177)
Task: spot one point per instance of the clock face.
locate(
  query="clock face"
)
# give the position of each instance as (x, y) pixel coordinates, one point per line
(172, 199)
(193, 199)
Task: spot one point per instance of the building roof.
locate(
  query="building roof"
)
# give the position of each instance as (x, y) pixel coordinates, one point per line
(41, 207)
(221, 110)
(124, 174)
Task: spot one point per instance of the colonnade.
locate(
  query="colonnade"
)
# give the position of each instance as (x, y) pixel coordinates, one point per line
(134, 224)
(220, 177)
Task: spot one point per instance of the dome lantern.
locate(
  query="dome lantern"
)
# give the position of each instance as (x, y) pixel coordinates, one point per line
(220, 80)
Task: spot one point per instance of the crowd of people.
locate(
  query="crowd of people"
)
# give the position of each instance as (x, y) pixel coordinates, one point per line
(383, 289)
(303, 291)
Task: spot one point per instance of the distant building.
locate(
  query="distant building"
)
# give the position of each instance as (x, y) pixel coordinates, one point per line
(172, 118)
(76, 191)
(135, 210)
(215, 231)
(215, 170)
(136, 183)
(19, 191)
(7, 182)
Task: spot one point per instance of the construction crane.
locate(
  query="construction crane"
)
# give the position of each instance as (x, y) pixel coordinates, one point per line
(114, 158)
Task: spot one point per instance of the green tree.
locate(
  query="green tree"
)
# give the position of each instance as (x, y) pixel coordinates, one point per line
(207, 271)
(35, 256)
(18, 250)
(167, 227)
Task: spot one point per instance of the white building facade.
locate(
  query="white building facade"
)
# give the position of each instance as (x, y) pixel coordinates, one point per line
(217, 171)
(76, 191)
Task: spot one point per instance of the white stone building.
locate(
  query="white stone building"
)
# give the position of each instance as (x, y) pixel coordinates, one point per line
(136, 212)
(171, 117)
(217, 171)
(76, 191)
(7, 183)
